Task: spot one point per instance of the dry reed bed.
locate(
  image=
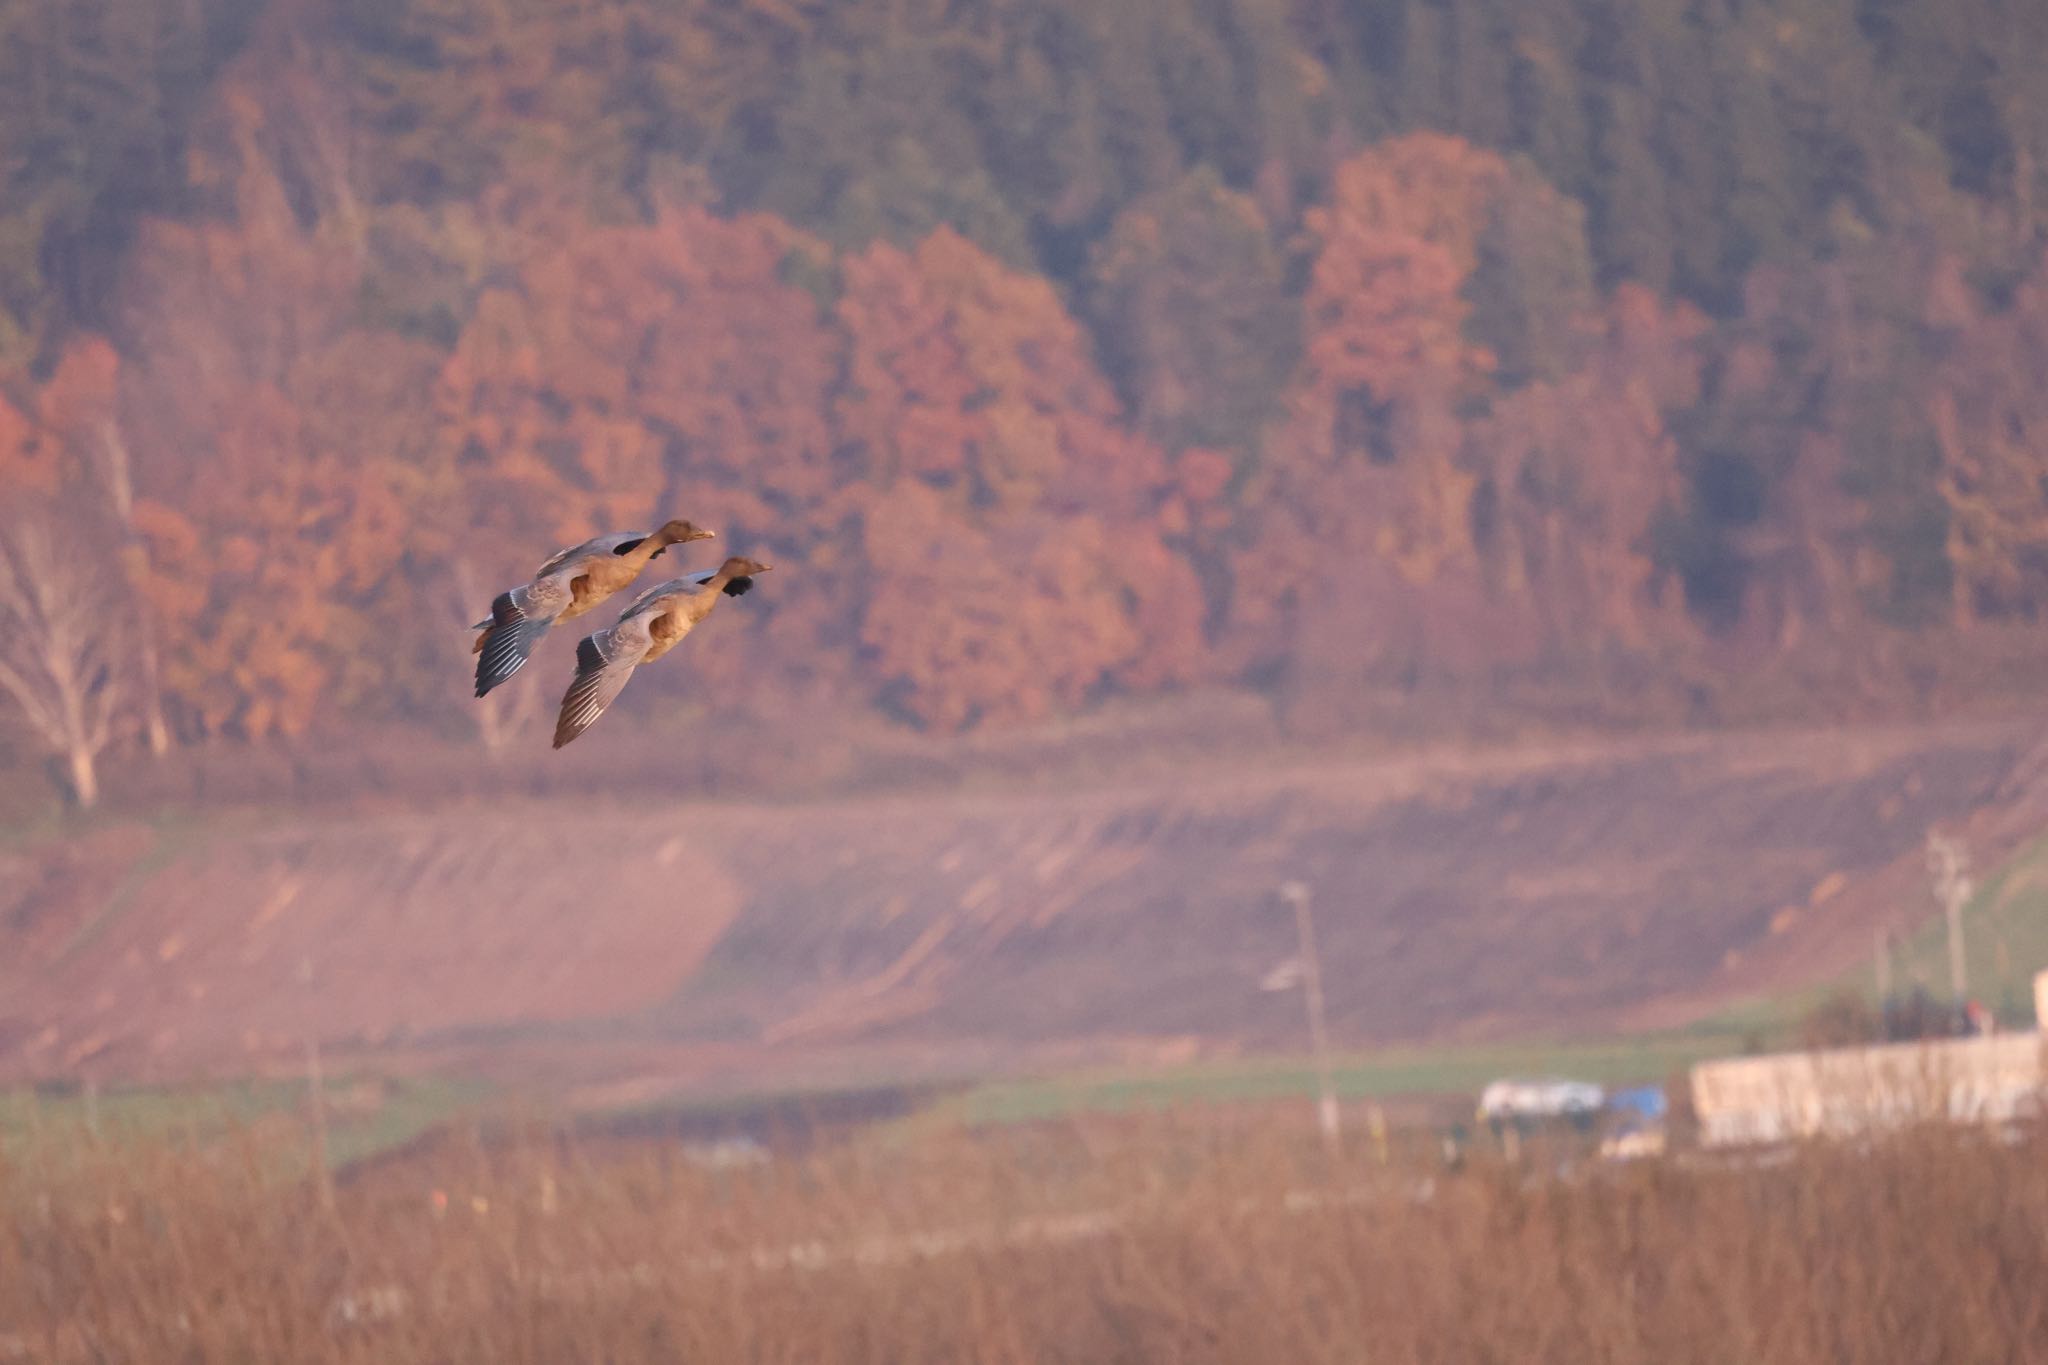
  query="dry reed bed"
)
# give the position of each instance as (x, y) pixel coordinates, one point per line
(1171, 1239)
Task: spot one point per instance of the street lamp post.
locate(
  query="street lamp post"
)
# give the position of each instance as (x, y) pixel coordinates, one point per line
(1297, 895)
(1948, 861)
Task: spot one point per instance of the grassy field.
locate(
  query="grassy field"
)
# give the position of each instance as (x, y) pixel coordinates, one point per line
(1441, 1071)
(368, 1116)
(1143, 1238)
(364, 1116)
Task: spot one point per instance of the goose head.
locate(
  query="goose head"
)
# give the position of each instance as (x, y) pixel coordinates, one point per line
(682, 532)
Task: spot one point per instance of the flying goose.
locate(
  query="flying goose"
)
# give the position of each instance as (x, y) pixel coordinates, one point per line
(656, 622)
(569, 584)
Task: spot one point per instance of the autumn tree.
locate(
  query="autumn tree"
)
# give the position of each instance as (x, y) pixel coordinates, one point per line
(63, 636)
(967, 626)
(1418, 516)
(673, 368)
(284, 475)
(237, 583)
(1365, 471)
(28, 459)
(81, 417)
(65, 442)
(1576, 476)
(972, 398)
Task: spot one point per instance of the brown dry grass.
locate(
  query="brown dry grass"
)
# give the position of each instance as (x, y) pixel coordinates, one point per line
(1169, 1239)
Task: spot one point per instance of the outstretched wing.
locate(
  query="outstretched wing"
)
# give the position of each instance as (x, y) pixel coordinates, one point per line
(651, 599)
(508, 641)
(602, 670)
(624, 543)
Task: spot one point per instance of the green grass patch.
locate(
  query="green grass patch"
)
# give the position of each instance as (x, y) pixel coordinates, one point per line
(1418, 1071)
(141, 1112)
(364, 1116)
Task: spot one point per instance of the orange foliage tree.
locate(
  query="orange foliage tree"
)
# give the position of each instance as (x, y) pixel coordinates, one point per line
(55, 434)
(672, 368)
(279, 471)
(1363, 503)
(1012, 528)
(27, 457)
(1413, 515)
(1575, 475)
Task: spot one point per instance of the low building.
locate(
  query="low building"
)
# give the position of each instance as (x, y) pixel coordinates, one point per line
(1534, 1100)
(1843, 1091)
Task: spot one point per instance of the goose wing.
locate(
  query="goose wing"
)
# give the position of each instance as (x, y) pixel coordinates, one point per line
(625, 542)
(654, 598)
(516, 624)
(687, 585)
(604, 663)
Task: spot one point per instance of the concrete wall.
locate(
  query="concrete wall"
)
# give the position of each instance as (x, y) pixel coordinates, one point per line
(1850, 1090)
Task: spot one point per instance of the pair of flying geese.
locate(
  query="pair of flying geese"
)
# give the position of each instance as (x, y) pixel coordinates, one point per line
(578, 579)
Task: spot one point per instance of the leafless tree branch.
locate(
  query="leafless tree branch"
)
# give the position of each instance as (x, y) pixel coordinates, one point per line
(62, 660)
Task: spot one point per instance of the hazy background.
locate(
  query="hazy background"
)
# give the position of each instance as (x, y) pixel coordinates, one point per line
(1565, 478)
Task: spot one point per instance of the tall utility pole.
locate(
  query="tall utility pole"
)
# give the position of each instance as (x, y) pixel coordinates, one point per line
(1297, 894)
(1948, 862)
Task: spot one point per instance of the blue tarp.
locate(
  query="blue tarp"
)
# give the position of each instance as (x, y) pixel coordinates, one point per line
(1646, 1101)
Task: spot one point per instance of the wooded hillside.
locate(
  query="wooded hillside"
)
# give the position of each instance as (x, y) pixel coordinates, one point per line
(1057, 348)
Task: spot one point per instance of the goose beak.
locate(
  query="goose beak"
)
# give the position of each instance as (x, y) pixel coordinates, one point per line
(703, 534)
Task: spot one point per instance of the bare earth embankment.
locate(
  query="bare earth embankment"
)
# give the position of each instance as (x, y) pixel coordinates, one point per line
(1466, 895)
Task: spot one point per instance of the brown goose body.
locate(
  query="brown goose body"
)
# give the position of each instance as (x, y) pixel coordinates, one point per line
(654, 624)
(567, 585)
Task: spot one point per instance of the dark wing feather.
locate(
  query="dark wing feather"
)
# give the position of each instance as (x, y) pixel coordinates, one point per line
(737, 587)
(507, 644)
(598, 682)
(626, 547)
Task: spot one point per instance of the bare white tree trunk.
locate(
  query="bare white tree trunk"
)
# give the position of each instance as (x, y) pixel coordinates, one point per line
(117, 473)
(85, 778)
(61, 640)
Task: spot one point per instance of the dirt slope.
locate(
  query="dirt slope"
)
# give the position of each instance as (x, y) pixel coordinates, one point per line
(1456, 895)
